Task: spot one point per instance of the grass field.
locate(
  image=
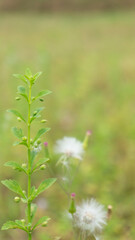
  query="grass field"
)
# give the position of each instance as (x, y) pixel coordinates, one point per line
(88, 61)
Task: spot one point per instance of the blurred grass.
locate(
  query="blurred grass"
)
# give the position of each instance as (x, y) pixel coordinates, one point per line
(88, 61)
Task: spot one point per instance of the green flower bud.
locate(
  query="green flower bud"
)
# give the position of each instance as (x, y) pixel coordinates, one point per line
(19, 119)
(23, 220)
(31, 140)
(35, 112)
(24, 192)
(33, 98)
(17, 199)
(44, 224)
(39, 141)
(41, 99)
(17, 98)
(24, 165)
(43, 121)
(72, 208)
(24, 138)
(43, 167)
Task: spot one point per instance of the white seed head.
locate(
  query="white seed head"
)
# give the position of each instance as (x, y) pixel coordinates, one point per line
(69, 146)
(90, 217)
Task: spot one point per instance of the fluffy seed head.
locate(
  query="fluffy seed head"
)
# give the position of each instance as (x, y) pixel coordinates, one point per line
(69, 146)
(90, 217)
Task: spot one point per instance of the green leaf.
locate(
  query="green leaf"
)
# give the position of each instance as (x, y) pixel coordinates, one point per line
(20, 143)
(44, 185)
(22, 92)
(21, 77)
(33, 210)
(36, 115)
(17, 132)
(15, 166)
(42, 94)
(32, 193)
(37, 75)
(28, 73)
(32, 156)
(16, 113)
(40, 221)
(13, 186)
(40, 133)
(40, 162)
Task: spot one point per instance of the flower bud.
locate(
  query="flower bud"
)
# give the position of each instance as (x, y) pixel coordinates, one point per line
(24, 138)
(109, 213)
(33, 98)
(24, 165)
(46, 149)
(72, 208)
(39, 141)
(44, 224)
(35, 112)
(41, 99)
(43, 121)
(24, 192)
(17, 199)
(43, 167)
(23, 220)
(17, 98)
(31, 140)
(19, 119)
(86, 139)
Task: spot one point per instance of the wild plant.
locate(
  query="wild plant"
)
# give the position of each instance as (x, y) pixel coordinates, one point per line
(33, 146)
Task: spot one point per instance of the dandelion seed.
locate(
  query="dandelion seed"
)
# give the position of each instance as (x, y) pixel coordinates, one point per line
(70, 147)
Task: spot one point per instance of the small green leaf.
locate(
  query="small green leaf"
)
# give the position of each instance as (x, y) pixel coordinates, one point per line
(40, 133)
(44, 185)
(13, 186)
(42, 94)
(36, 113)
(40, 221)
(32, 156)
(33, 210)
(21, 77)
(22, 92)
(17, 132)
(40, 162)
(28, 73)
(37, 75)
(13, 225)
(20, 143)
(16, 113)
(15, 166)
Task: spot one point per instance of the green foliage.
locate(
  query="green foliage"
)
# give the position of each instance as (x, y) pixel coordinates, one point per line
(42, 187)
(15, 166)
(42, 94)
(14, 225)
(17, 132)
(22, 92)
(13, 185)
(40, 133)
(40, 221)
(39, 163)
(16, 113)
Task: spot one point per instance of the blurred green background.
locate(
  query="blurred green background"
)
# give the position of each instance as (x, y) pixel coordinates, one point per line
(88, 61)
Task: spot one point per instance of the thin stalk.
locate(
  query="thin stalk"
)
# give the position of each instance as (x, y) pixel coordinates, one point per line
(29, 165)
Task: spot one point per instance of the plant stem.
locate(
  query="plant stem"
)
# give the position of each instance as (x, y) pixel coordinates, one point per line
(29, 165)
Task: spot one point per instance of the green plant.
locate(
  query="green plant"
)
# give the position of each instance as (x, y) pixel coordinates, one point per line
(32, 145)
